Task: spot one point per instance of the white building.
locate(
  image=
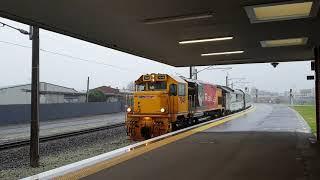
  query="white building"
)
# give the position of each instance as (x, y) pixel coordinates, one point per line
(306, 93)
(49, 94)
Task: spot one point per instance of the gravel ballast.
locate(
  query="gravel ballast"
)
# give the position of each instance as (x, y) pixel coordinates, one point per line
(53, 154)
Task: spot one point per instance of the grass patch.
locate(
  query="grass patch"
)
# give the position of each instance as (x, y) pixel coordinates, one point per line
(309, 114)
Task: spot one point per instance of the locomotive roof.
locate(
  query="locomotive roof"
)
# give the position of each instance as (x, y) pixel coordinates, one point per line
(197, 81)
(226, 88)
(178, 79)
(238, 91)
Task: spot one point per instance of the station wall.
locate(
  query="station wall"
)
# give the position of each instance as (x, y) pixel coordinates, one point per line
(21, 113)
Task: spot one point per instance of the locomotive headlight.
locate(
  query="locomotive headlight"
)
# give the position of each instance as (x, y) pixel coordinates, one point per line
(162, 110)
(129, 109)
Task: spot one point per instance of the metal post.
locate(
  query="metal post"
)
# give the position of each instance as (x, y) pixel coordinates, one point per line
(227, 81)
(290, 98)
(190, 72)
(34, 139)
(317, 86)
(87, 95)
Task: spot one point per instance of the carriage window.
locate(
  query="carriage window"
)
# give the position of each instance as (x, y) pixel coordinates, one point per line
(239, 97)
(181, 90)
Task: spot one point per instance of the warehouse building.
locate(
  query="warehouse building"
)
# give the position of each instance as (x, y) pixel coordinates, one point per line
(49, 94)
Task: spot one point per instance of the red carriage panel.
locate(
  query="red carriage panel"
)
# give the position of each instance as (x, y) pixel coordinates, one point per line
(208, 96)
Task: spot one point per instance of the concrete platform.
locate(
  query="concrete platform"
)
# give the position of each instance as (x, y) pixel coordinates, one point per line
(269, 143)
(47, 128)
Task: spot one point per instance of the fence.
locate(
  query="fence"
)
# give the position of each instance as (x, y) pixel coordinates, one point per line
(21, 113)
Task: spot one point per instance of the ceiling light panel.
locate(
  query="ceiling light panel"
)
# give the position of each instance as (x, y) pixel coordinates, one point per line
(284, 42)
(205, 40)
(222, 53)
(279, 11)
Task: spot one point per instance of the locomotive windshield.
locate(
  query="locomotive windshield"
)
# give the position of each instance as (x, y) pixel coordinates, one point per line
(152, 86)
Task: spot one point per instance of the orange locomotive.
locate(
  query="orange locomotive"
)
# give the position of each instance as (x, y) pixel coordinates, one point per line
(163, 103)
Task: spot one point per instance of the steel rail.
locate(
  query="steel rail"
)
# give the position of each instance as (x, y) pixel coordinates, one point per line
(21, 143)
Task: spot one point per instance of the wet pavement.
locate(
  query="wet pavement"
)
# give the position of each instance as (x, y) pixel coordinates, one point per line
(47, 128)
(271, 142)
(267, 117)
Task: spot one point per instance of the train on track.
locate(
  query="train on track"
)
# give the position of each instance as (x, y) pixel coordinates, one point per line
(163, 103)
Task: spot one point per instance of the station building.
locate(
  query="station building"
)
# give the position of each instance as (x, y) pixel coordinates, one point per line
(49, 94)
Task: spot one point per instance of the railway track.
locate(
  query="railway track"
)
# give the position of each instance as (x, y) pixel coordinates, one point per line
(21, 143)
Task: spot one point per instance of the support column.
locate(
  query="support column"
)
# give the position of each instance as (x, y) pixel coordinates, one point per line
(34, 135)
(317, 87)
(190, 69)
(87, 95)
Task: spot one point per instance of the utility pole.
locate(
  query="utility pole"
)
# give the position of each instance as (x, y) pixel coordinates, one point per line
(34, 139)
(35, 100)
(190, 69)
(87, 95)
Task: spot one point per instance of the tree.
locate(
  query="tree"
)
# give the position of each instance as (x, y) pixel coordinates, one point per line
(97, 96)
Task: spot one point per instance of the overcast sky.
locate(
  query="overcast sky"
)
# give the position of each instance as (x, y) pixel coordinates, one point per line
(110, 67)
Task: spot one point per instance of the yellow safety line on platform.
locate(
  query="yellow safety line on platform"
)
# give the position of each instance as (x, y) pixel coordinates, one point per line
(136, 152)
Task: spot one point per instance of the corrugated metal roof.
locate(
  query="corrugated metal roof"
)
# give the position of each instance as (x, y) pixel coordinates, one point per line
(19, 85)
(226, 88)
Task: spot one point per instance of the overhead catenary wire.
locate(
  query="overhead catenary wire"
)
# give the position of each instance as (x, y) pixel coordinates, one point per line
(18, 29)
(71, 57)
(211, 67)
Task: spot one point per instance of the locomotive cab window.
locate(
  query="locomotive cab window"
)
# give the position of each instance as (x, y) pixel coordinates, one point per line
(181, 89)
(141, 87)
(173, 90)
(154, 86)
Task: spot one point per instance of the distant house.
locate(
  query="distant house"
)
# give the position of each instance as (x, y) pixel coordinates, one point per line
(114, 94)
(111, 94)
(49, 94)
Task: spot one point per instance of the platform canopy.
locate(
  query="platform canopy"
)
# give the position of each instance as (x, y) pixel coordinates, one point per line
(236, 31)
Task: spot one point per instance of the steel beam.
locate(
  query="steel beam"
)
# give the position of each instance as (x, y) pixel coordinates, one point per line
(317, 87)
